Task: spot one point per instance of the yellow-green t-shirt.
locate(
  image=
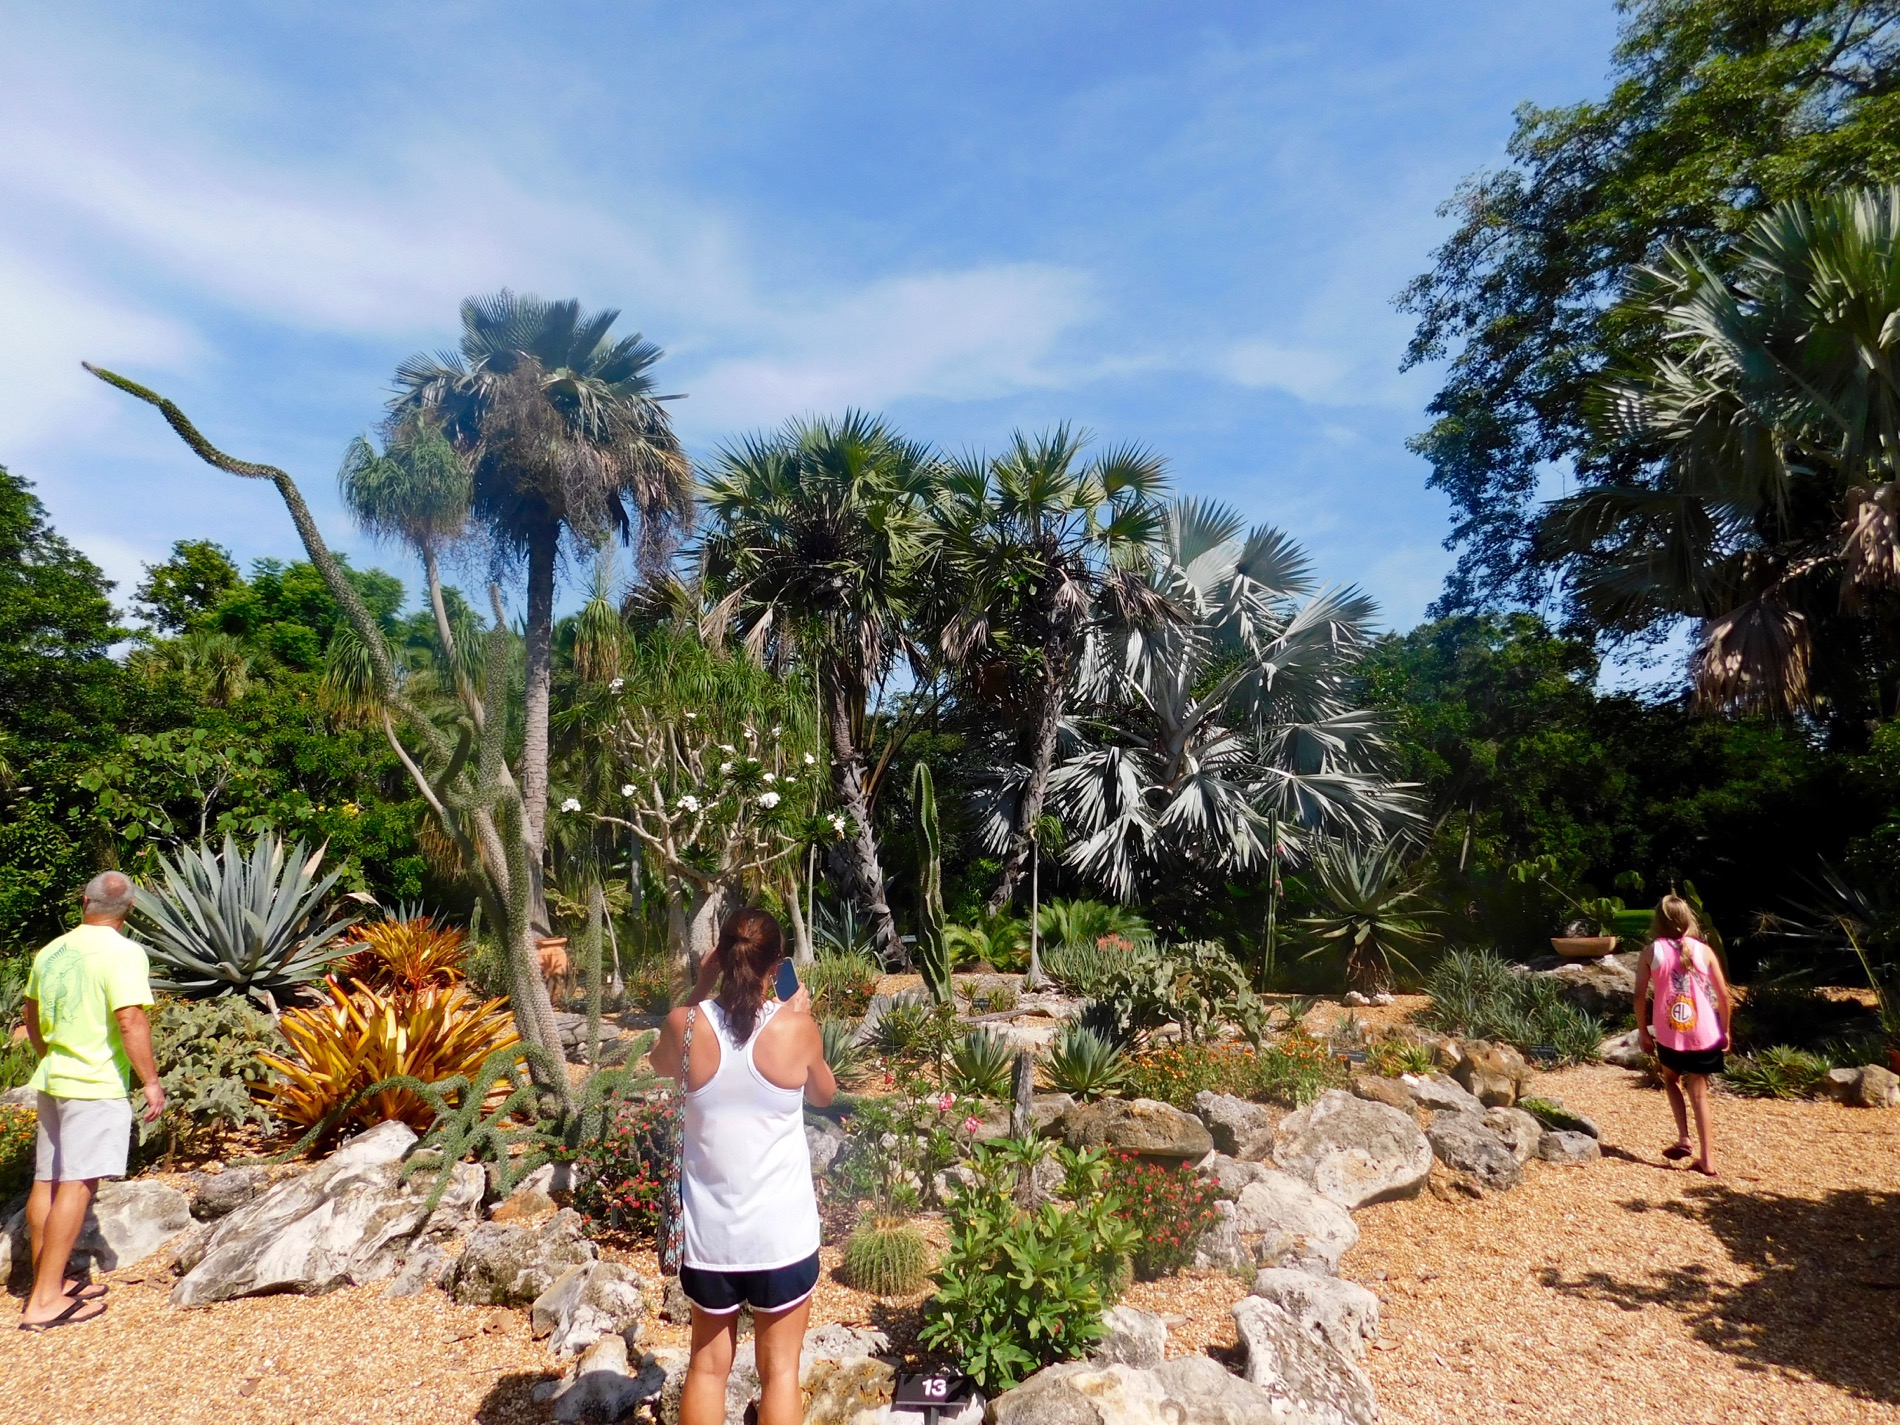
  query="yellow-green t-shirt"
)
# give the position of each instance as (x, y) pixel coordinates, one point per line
(78, 981)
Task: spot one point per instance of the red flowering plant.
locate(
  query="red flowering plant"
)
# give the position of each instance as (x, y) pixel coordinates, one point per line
(1169, 1209)
(620, 1177)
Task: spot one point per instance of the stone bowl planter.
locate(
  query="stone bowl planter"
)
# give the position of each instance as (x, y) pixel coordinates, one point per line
(1584, 947)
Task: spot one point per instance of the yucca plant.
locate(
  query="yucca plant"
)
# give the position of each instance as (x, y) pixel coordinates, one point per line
(980, 1064)
(1085, 1064)
(843, 1053)
(405, 956)
(356, 1039)
(222, 923)
(886, 1256)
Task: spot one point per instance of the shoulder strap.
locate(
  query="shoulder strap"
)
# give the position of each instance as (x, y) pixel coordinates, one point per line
(686, 1049)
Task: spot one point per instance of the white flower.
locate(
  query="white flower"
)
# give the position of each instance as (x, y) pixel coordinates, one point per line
(837, 823)
(768, 800)
(776, 729)
(789, 779)
(725, 769)
(691, 716)
(571, 804)
(727, 747)
(752, 761)
(689, 802)
(751, 736)
(770, 777)
(810, 761)
(626, 789)
(616, 685)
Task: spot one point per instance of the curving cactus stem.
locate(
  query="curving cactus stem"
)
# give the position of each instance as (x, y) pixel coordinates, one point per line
(933, 951)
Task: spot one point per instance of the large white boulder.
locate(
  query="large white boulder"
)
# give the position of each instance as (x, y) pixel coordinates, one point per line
(1308, 1380)
(1295, 1226)
(1343, 1314)
(1353, 1150)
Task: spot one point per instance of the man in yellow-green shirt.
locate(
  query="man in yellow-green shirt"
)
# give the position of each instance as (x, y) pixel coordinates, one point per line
(85, 1013)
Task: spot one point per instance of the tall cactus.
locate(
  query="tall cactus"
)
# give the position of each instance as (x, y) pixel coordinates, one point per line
(933, 951)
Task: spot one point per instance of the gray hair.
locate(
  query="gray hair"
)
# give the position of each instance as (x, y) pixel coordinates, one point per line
(110, 893)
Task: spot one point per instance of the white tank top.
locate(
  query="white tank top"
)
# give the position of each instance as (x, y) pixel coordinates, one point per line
(746, 1197)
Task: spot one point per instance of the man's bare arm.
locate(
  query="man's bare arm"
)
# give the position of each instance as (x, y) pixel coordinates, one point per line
(135, 1031)
(31, 1009)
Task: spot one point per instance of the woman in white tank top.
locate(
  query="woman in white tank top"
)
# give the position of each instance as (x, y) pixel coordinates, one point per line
(746, 1066)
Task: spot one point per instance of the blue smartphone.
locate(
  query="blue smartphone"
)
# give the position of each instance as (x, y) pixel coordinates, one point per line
(787, 981)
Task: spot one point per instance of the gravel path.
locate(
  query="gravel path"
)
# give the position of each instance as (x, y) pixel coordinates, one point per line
(1619, 1294)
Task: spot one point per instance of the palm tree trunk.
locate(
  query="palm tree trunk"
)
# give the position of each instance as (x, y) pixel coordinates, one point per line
(1042, 761)
(864, 872)
(538, 658)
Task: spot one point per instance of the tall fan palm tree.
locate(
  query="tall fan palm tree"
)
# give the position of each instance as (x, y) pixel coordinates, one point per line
(1049, 544)
(818, 548)
(1772, 425)
(1233, 718)
(561, 432)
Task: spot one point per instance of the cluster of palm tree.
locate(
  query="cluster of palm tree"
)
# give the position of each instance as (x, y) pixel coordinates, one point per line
(1762, 445)
(1151, 683)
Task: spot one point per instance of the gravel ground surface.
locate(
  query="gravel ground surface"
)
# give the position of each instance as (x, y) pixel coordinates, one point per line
(1628, 1292)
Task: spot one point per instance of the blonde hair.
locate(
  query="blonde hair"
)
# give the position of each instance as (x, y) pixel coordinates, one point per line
(1673, 920)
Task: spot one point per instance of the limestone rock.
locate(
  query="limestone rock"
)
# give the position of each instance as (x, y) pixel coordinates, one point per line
(555, 1180)
(1205, 1394)
(1493, 1073)
(603, 1386)
(1296, 1226)
(1353, 1150)
(1604, 987)
(1559, 1145)
(421, 1268)
(1840, 1084)
(506, 1264)
(1462, 1141)
(1343, 1314)
(215, 1195)
(1083, 1393)
(1309, 1381)
(128, 1221)
(1440, 1093)
(585, 1303)
(824, 1147)
(1390, 1092)
(1046, 1112)
(350, 1220)
(1240, 1129)
(840, 1374)
(1133, 1337)
(522, 1205)
(1143, 1126)
(1220, 1246)
(1230, 1175)
(1622, 1051)
(1875, 1088)
(1519, 1130)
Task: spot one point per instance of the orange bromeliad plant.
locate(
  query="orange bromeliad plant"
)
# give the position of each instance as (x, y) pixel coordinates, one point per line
(361, 1036)
(406, 955)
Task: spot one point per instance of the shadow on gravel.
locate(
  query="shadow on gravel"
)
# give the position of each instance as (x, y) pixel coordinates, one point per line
(509, 1401)
(1822, 1298)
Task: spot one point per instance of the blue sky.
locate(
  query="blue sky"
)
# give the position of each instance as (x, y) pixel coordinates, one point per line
(1180, 224)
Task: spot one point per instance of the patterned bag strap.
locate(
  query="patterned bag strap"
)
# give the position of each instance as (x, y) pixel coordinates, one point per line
(686, 1049)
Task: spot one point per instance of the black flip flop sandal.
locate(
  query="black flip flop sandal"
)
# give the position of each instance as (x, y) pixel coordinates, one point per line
(69, 1317)
(1675, 1153)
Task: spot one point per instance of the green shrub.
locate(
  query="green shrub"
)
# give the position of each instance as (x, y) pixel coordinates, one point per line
(1169, 1208)
(1480, 996)
(1020, 1288)
(208, 1054)
(980, 1064)
(993, 997)
(840, 983)
(17, 1062)
(1778, 1072)
(620, 1176)
(223, 923)
(1000, 941)
(1293, 1069)
(19, 1139)
(886, 1257)
(1197, 985)
(1394, 1056)
(1085, 1064)
(897, 1146)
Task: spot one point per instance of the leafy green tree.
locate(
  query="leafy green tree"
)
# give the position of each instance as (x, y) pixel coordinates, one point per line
(1720, 109)
(819, 549)
(1050, 545)
(562, 435)
(175, 593)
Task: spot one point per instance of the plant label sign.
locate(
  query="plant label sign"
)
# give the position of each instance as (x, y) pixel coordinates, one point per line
(928, 1394)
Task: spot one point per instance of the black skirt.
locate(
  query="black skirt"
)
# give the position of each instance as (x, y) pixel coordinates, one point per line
(1690, 1061)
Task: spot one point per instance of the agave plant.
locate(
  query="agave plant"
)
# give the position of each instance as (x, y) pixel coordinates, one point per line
(980, 1064)
(355, 1039)
(1086, 1064)
(843, 1054)
(221, 923)
(1369, 909)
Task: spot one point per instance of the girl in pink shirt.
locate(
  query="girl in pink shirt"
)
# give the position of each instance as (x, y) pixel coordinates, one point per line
(1685, 1021)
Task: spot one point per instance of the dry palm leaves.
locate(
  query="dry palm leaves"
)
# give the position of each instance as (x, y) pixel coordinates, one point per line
(1754, 658)
(1870, 541)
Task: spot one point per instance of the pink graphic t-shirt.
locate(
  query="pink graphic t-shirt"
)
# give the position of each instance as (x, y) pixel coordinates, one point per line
(1684, 1015)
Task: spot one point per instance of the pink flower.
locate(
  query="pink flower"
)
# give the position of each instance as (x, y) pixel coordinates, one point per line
(945, 1102)
(972, 1123)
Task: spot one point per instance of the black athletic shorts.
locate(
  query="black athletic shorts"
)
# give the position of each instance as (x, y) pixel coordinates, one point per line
(1690, 1061)
(777, 1289)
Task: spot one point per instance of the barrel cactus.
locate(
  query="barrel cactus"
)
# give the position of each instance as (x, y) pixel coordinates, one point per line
(886, 1257)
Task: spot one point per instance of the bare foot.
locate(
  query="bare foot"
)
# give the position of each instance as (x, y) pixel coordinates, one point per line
(63, 1312)
(1707, 1170)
